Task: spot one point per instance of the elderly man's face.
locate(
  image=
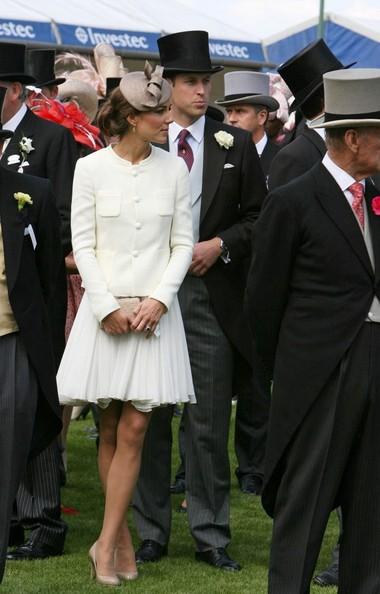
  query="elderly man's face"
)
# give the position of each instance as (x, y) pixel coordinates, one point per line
(368, 154)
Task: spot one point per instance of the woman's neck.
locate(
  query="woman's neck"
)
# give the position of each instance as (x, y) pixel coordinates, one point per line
(132, 148)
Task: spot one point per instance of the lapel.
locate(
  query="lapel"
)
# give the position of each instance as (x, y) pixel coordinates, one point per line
(25, 128)
(214, 158)
(313, 137)
(12, 225)
(270, 150)
(374, 223)
(335, 204)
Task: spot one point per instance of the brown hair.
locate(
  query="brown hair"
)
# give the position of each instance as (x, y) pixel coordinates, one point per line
(112, 116)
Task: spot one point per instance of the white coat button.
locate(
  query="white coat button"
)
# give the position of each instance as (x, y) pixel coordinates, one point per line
(136, 199)
(135, 253)
(134, 173)
(370, 315)
(138, 225)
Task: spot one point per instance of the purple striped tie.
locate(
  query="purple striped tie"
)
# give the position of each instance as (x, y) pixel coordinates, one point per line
(184, 149)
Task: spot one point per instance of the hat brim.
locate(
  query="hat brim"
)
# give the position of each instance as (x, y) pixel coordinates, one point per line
(17, 77)
(266, 100)
(355, 123)
(184, 70)
(300, 100)
(50, 83)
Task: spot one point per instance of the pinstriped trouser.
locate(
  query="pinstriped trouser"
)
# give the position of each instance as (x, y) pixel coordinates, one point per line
(18, 401)
(206, 430)
(38, 499)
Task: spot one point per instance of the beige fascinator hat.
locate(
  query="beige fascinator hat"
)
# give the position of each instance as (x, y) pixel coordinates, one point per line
(352, 98)
(146, 90)
(82, 93)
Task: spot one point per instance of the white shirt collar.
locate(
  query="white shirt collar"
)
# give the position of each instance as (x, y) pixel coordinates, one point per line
(196, 130)
(16, 119)
(342, 178)
(260, 146)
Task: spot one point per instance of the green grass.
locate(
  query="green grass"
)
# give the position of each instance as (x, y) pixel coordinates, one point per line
(178, 573)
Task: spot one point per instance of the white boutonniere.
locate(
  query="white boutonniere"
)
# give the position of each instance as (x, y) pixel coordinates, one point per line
(224, 139)
(26, 147)
(22, 199)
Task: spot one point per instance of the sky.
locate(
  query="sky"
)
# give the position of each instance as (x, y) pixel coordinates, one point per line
(263, 18)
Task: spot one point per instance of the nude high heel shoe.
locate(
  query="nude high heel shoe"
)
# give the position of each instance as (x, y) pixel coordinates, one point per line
(125, 575)
(105, 580)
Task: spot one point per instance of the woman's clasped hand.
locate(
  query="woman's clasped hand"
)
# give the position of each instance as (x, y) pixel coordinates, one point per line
(143, 319)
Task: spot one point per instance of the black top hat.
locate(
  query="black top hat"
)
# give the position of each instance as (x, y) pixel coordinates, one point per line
(40, 64)
(187, 51)
(303, 73)
(112, 82)
(12, 63)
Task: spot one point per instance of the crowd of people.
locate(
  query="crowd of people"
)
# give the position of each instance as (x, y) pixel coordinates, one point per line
(158, 250)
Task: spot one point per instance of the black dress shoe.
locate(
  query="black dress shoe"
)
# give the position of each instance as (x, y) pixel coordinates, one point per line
(328, 577)
(218, 558)
(150, 550)
(32, 550)
(251, 484)
(178, 486)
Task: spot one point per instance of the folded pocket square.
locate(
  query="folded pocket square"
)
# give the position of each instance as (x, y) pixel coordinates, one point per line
(30, 231)
(228, 166)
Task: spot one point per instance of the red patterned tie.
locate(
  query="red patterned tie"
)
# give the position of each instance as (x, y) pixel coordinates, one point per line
(357, 191)
(184, 149)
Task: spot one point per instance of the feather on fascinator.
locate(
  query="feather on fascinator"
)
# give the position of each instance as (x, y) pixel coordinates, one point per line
(146, 90)
(76, 66)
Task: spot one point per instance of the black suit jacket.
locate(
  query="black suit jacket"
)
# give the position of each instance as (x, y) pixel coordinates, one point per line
(31, 278)
(296, 158)
(376, 180)
(309, 291)
(54, 157)
(231, 202)
(270, 151)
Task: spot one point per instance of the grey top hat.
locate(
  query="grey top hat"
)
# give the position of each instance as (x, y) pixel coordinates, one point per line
(352, 98)
(247, 87)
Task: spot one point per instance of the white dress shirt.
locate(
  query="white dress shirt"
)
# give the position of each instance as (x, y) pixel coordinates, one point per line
(260, 146)
(196, 142)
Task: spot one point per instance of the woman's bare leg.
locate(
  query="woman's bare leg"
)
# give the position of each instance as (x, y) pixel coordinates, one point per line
(120, 480)
(108, 422)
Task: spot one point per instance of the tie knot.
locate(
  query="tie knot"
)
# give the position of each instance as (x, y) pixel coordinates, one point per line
(357, 191)
(183, 135)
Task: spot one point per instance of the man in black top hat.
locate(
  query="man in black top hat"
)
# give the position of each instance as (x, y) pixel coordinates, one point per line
(40, 64)
(303, 74)
(43, 149)
(227, 190)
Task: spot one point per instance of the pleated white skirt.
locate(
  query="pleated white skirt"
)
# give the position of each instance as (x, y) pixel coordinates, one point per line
(98, 368)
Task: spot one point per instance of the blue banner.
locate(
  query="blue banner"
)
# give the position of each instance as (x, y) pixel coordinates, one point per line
(236, 50)
(135, 41)
(26, 31)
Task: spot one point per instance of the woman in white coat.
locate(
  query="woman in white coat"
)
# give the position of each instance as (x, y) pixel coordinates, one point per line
(132, 241)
